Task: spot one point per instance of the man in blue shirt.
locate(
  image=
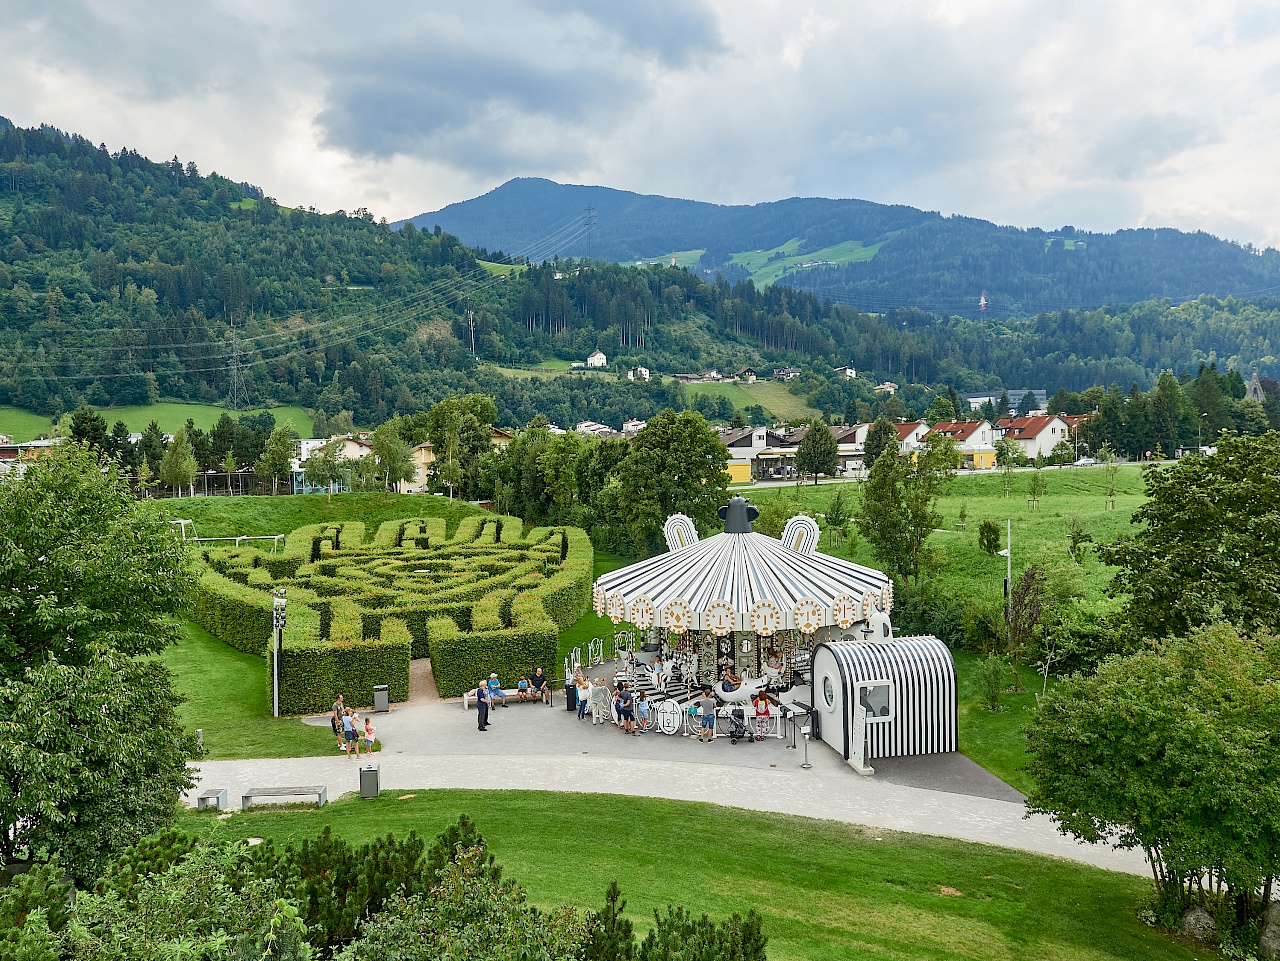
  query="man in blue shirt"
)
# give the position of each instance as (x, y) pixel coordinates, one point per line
(625, 712)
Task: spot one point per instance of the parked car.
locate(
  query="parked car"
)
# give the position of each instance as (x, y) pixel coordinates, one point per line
(1087, 462)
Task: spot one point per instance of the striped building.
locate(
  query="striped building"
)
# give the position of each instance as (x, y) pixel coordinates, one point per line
(888, 699)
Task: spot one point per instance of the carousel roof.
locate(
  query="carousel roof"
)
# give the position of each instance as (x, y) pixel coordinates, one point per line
(738, 576)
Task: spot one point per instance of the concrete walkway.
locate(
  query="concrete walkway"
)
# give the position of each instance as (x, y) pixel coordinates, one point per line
(431, 743)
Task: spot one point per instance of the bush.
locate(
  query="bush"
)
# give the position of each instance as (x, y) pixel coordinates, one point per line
(989, 536)
(489, 599)
(991, 676)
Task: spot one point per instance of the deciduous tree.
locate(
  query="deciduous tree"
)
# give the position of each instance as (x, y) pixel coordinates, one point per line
(818, 452)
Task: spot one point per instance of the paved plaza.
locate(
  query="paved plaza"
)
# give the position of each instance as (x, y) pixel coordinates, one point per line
(430, 743)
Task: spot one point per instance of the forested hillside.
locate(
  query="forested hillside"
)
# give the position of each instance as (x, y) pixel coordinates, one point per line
(917, 258)
(123, 281)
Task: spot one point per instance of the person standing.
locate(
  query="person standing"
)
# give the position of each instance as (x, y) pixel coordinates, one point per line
(763, 710)
(336, 721)
(349, 733)
(584, 694)
(626, 712)
(370, 735)
(482, 705)
(707, 724)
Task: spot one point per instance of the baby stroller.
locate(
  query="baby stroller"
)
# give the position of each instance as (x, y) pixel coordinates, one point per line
(738, 728)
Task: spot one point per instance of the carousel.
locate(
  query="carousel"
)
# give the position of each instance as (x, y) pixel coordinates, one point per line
(739, 611)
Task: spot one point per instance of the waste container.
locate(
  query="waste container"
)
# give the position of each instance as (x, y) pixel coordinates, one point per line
(369, 782)
(570, 696)
(381, 699)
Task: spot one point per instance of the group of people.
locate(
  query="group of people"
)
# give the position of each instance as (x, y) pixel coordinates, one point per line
(350, 730)
(630, 710)
(490, 693)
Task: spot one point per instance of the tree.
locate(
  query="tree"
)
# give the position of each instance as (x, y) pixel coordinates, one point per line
(899, 506)
(738, 420)
(89, 427)
(1022, 616)
(1037, 488)
(120, 446)
(392, 455)
(325, 467)
(775, 511)
(839, 514)
(558, 464)
(1205, 543)
(178, 466)
(91, 582)
(818, 452)
(276, 461)
(881, 436)
(1026, 403)
(459, 432)
(676, 466)
(988, 536)
(1008, 454)
(940, 411)
(1172, 750)
(229, 468)
(152, 446)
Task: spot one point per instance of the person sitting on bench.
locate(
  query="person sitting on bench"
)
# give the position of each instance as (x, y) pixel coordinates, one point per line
(539, 686)
(496, 694)
(522, 689)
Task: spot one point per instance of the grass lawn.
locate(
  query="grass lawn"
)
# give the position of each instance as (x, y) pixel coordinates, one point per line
(590, 625)
(826, 890)
(257, 516)
(736, 393)
(22, 425)
(227, 696)
(499, 270)
(773, 396)
(995, 740)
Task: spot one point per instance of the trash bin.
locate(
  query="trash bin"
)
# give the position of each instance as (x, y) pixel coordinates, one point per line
(381, 699)
(369, 782)
(570, 696)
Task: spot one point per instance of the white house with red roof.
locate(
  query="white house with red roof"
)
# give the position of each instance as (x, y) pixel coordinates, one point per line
(911, 435)
(1038, 435)
(975, 440)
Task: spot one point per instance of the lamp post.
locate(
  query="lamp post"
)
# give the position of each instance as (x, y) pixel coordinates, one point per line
(277, 640)
(1199, 442)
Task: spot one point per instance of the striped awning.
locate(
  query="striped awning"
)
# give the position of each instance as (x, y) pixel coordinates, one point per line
(748, 574)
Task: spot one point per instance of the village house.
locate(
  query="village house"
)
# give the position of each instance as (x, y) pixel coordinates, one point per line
(632, 427)
(596, 360)
(911, 435)
(975, 440)
(786, 373)
(1037, 435)
(850, 373)
(747, 375)
(638, 373)
(888, 387)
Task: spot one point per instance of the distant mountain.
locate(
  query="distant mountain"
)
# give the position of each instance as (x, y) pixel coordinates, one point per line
(871, 256)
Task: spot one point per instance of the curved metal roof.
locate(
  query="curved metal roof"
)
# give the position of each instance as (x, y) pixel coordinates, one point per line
(741, 570)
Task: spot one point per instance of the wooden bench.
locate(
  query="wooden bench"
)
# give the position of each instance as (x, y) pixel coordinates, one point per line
(321, 793)
(511, 694)
(215, 797)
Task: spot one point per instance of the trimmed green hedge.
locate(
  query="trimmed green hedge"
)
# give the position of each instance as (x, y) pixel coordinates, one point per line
(491, 598)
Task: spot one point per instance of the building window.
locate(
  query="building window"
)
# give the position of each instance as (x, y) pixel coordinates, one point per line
(876, 700)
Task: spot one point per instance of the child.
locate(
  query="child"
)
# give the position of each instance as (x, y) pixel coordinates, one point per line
(369, 735)
(642, 711)
(763, 711)
(522, 689)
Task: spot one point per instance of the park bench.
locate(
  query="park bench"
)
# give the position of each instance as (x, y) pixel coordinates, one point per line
(321, 793)
(468, 697)
(215, 797)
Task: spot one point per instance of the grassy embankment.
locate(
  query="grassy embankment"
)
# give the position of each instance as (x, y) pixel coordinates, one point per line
(23, 425)
(826, 890)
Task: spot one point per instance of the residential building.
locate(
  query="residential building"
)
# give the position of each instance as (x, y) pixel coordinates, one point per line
(632, 427)
(975, 440)
(888, 387)
(910, 435)
(746, 445)
(1037, 435)
(596, 359)
(595, 429)
(746, 375)
(850, 372)
(786, 373)
(639, 373)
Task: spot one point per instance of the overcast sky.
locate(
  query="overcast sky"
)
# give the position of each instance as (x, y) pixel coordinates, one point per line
(1102, 115)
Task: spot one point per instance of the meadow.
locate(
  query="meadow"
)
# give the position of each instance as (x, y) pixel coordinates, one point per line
(774, 396)
(826, 890)
(23, 425)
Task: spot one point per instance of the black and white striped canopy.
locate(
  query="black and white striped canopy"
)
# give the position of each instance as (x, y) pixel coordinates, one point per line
(745, 572)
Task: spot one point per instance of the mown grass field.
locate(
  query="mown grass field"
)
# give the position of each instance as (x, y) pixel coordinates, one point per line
(499, 270)
(23, 425)
(773, 396)
(826, 890)
(765, 270)
(736, 393)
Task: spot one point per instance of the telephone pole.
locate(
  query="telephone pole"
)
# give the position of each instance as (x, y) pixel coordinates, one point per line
(589, 221)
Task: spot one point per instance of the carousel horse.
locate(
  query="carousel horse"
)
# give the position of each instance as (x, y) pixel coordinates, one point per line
(744, 692)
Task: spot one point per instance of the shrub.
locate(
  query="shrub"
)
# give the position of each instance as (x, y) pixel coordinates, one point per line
(989, 536)
(992, 672)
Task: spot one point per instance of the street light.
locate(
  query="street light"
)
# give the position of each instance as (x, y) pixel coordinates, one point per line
(277, 640)
(1199, 443)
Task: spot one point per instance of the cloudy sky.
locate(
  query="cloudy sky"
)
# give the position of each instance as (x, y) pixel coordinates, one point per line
(1097, 113)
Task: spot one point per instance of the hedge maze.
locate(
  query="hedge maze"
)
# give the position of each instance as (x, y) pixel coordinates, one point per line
(489, 598)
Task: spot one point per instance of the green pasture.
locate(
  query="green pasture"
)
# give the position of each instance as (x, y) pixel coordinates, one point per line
(684, 258)
(826, 890)
(500, 270)
(23, 425)
(773, 396)
(736, 393)
(769, 271)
